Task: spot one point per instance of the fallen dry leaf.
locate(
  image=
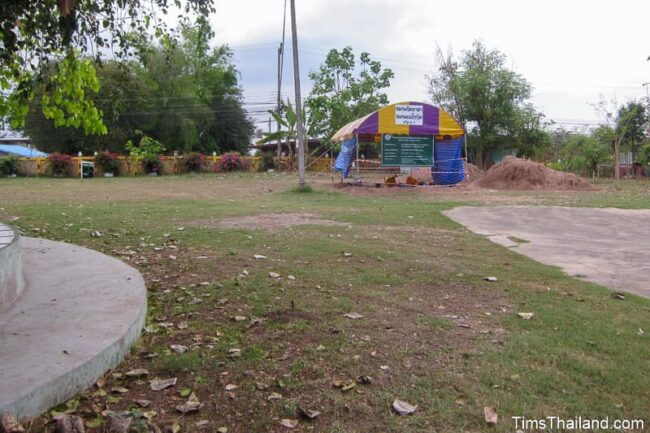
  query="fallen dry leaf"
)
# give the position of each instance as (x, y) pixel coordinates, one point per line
(9, 424)
(308, 413)
(178, 348)
(289, 423)
(138, 372)
(119, 390)
(526, 316)
(490, 414)
(160, 384)
(274, 275)
(403, 408)
(191, 405)
(353, 315)
(364, 380)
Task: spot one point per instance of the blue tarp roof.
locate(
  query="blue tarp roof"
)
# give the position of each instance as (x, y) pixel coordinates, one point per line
(18, 150)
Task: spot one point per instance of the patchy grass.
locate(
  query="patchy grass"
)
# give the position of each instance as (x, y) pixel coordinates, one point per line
(433, 333)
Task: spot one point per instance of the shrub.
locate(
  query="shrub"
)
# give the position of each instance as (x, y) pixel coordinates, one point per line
(230, 162)
(148, 147)
(152, 164)
(194, 162)
(107, 161)
(268, 161)
(9, 166)
(59, 163)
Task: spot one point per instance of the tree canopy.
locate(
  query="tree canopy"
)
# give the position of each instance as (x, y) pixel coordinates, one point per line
(490, 99)
(631, 125)
(181, 93)
(342, 91)
(33, 34)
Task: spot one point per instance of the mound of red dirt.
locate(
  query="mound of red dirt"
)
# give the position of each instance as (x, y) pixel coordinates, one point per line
(520, 174)
(472, 173)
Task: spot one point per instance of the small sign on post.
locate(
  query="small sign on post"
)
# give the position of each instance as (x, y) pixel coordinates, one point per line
(81, 166)
(406, 151)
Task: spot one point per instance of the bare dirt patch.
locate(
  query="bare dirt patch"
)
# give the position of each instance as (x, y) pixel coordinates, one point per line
(271, 221)
(520, 174)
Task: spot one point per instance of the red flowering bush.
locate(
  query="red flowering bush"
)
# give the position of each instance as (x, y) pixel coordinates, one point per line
(108, 161)
(59, 163)
(230, 162)
(194, 162)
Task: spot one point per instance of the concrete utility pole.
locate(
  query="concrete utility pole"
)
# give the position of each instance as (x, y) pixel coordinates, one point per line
(280, 49)
(296, 81)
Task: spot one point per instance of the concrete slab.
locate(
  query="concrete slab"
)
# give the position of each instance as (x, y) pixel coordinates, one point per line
(78, 315)
(605, 246)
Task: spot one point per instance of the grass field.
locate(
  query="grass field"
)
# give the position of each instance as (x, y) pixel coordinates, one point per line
(433, 332)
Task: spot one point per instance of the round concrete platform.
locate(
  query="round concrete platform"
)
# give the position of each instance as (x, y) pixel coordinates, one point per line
(77, 316)
(11, 276)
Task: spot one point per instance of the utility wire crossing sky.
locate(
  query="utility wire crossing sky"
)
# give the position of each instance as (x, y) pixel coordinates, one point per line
(571, 52)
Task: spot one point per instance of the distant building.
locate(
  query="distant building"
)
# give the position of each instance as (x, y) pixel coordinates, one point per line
(14, 143)
(314, 146)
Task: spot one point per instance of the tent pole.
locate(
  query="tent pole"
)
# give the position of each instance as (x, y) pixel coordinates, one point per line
(357, 135)
(465, 143)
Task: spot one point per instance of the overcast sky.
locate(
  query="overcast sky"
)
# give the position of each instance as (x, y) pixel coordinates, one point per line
(571, 51)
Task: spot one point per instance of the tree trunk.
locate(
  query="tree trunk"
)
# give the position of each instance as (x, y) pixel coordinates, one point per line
(617, 159)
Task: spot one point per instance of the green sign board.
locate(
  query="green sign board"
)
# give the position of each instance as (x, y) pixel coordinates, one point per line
(406, 151)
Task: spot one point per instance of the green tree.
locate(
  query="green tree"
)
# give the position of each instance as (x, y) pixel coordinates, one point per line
(342, 92)
(490, 99)
(35, 33)
(122, 100)
(583, 153)
(627, 124)
(183, 94)
(196, 103)
(631, 125)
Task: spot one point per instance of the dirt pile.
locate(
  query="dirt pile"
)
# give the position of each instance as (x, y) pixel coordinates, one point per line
(472, 173)
(520, 174)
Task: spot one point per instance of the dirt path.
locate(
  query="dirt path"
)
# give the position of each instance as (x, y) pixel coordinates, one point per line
(604, 246)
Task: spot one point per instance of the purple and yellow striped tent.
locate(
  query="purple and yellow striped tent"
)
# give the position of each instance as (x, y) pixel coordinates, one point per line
(412, 119)
(435, 122)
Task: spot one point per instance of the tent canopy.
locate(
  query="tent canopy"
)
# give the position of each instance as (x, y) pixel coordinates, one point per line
(21, 151)
(403, 118)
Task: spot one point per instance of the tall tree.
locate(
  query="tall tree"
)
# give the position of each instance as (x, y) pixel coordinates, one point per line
(490, 99)
(122, 99)
(631, 125)
(34, 33)
(627, 124)
(183, 94)
(343, 91)
(198, 100)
